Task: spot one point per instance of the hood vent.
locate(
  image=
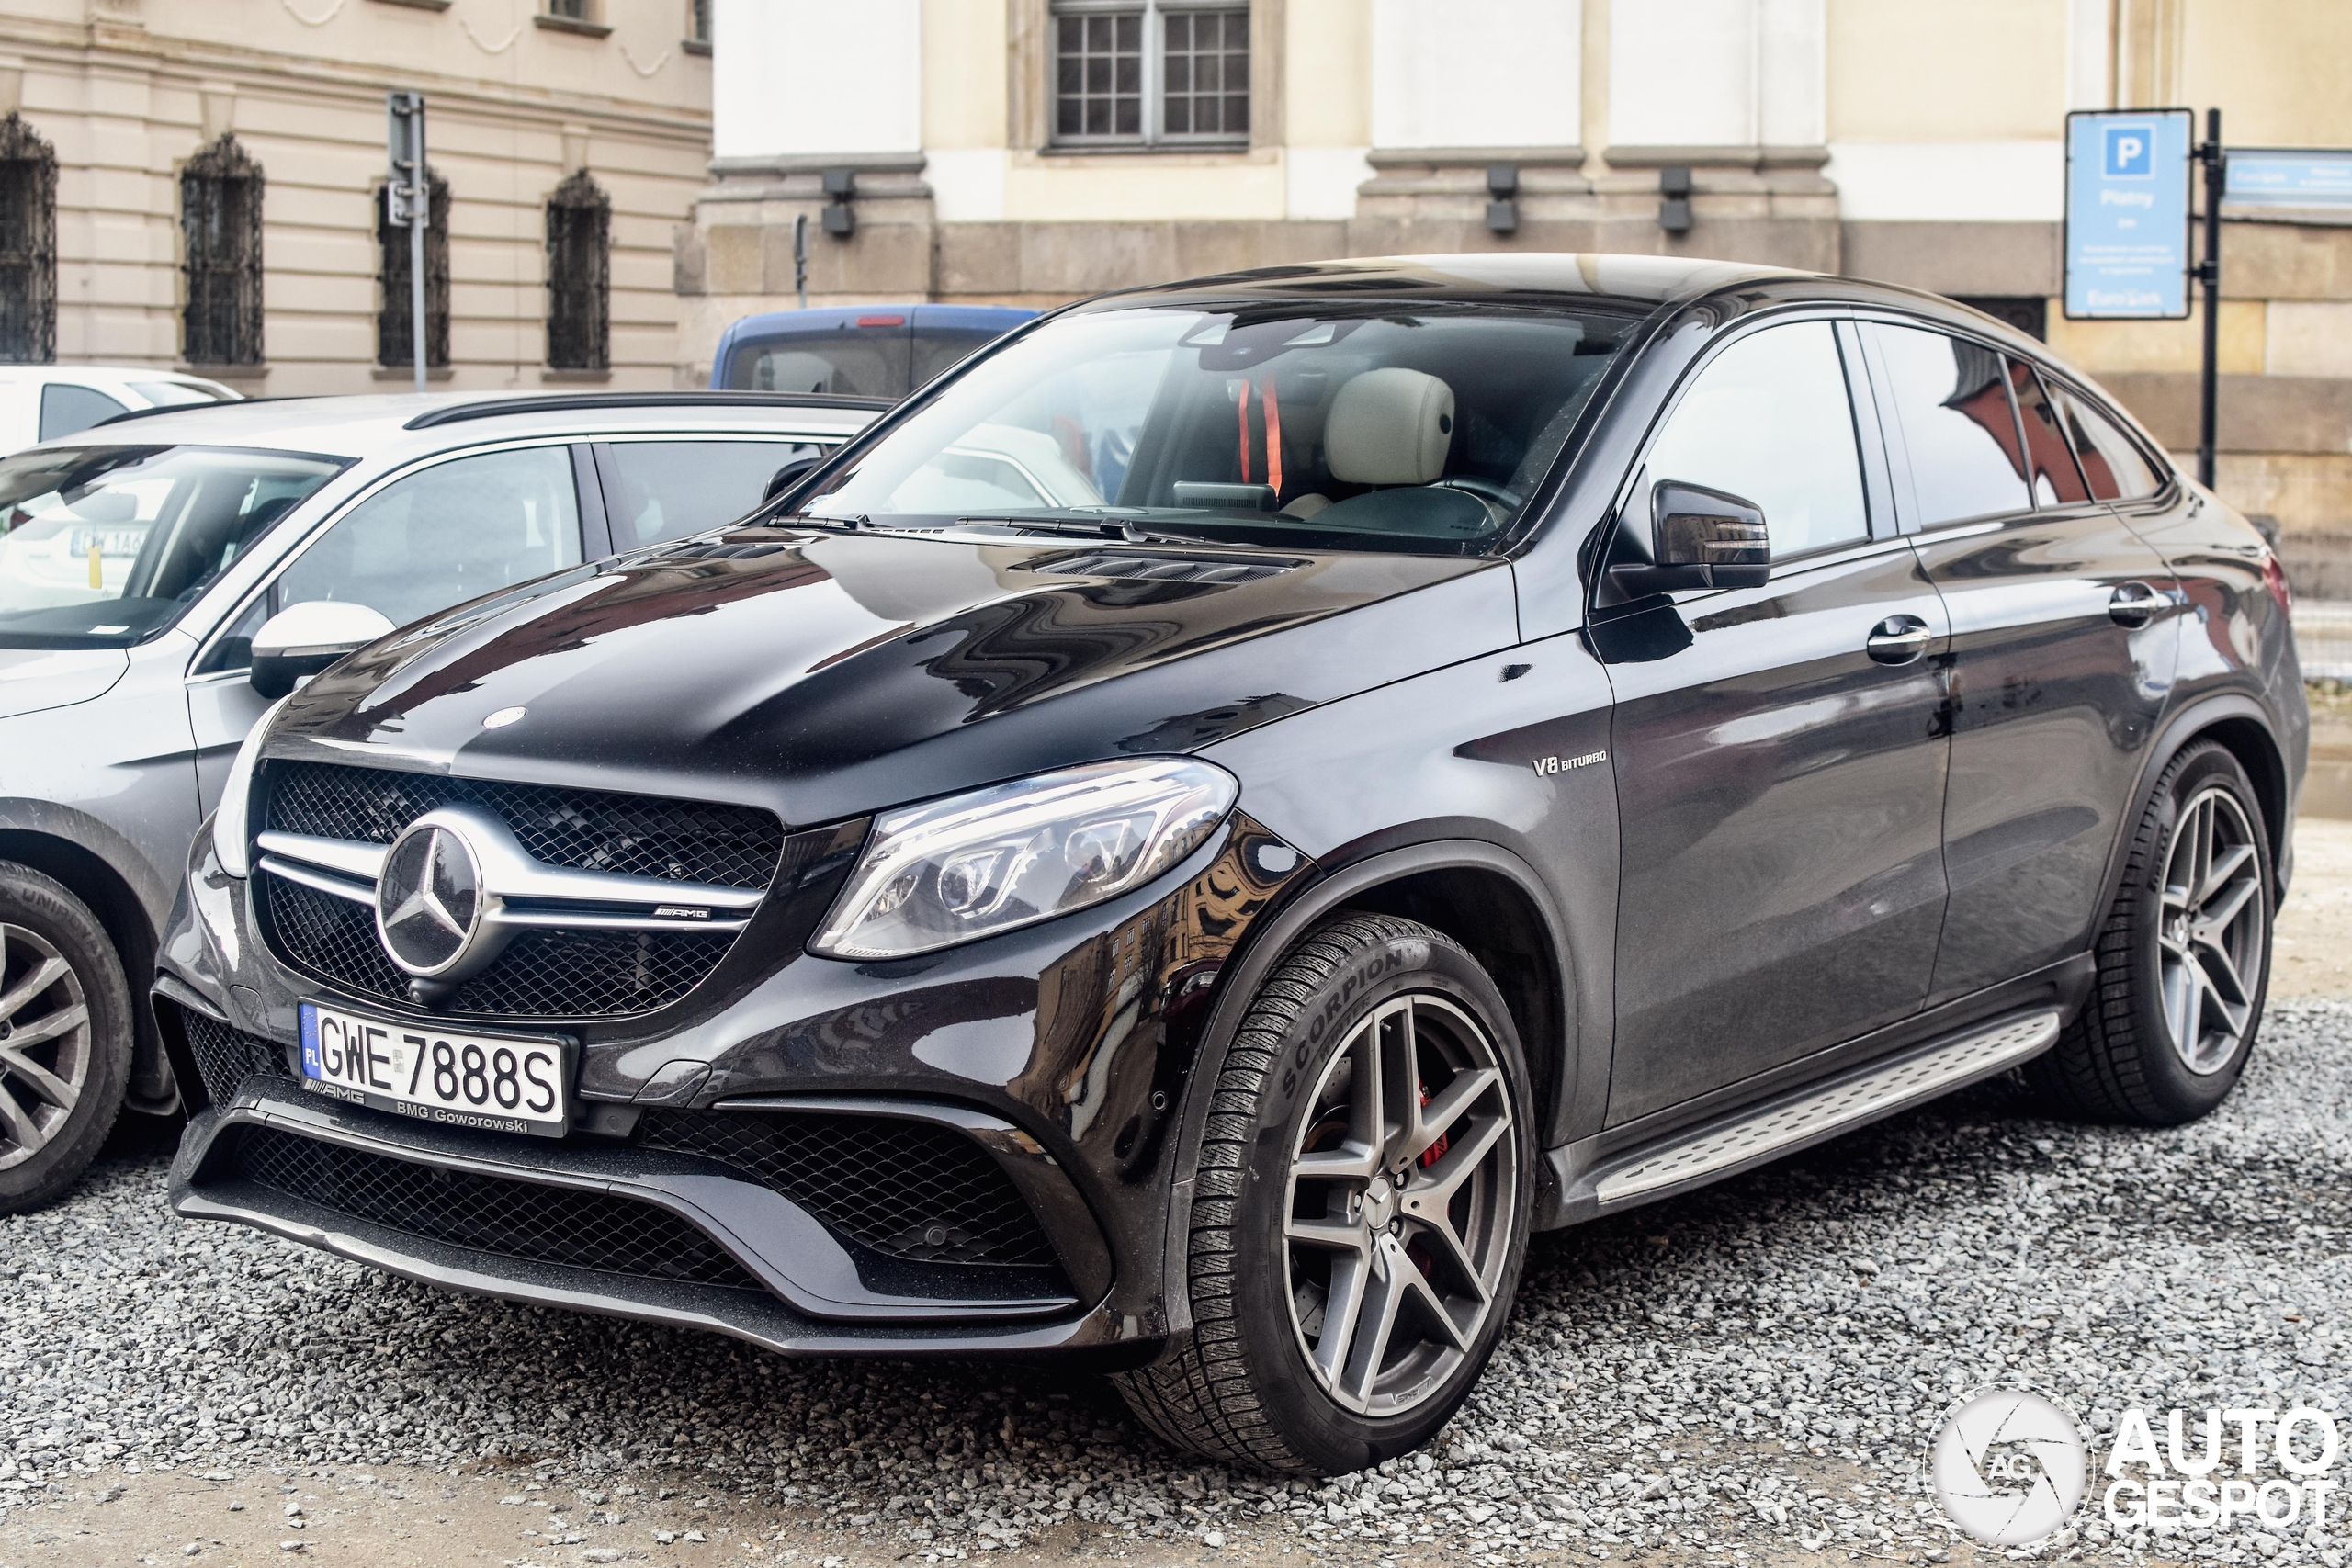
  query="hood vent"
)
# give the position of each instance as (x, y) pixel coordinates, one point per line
(718, 552)
(1131, 566)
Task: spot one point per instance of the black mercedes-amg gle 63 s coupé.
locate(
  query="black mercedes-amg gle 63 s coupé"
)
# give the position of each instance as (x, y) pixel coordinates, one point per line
(1184, 842)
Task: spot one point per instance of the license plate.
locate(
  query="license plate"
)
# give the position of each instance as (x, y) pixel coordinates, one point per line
(500, 1084)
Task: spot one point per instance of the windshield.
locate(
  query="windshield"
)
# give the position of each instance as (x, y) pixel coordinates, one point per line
(101, 547)
(1380, 426)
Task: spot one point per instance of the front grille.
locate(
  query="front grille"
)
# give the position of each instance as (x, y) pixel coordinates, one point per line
(586, 829)
(225, 1057)
(909, 1190)
(545, 973)
(542, 974)
(487, 1213)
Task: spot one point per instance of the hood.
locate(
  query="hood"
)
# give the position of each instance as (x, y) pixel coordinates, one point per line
(827, 675)
(32, 679)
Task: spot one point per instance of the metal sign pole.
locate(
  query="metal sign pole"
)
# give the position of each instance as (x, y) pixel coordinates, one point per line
(420, 219)
(408, 200)
(2209, 273)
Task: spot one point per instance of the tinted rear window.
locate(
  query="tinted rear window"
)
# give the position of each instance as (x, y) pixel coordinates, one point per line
(2111, 461)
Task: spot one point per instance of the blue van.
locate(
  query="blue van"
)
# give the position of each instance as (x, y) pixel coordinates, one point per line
(867, 351)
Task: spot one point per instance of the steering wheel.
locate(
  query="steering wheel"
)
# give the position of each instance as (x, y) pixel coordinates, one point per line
(1500, 499)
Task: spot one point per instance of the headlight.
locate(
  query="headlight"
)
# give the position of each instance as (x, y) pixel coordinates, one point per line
(1013, 854)
(232, 837)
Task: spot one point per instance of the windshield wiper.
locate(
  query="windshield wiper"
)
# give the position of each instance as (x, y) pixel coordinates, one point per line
(1124, 530)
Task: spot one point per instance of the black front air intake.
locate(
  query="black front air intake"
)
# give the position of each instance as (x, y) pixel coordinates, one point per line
(486, 1213)
(908, 1190)
(225, 1057)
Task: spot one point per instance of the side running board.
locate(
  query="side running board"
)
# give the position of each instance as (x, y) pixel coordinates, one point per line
(1811, 1116)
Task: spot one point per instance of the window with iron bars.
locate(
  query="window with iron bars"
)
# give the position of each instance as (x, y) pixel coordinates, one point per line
(395, 338)
(220, 192)
(578, 275)
(28, 244)
(1163, 74)
(574, 10)
(698, 21)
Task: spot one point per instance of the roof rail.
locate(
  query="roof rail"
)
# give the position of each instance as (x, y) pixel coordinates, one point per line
(556, 402)
(189, 408)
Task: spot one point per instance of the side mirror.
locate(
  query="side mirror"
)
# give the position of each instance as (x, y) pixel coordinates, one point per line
(1700, 538)
(791, 474)
(302, 639)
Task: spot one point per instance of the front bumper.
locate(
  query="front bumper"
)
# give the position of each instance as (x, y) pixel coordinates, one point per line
(1057, 1052)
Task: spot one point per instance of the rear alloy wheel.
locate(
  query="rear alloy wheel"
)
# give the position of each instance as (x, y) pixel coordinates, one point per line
(1361, 1208)
(2214, 937)
(2184, 958)
(65, 1038)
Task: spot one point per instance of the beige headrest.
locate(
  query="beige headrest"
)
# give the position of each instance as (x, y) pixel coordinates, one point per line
(1390, 427)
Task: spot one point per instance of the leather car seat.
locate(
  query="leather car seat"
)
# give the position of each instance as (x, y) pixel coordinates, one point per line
(1390, 427)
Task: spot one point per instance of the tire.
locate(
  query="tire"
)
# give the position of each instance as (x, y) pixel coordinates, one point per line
(1286, 1116)
(65, 1037)
(2167, 953)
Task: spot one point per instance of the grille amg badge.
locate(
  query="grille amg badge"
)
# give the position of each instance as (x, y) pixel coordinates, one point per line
(429, 900)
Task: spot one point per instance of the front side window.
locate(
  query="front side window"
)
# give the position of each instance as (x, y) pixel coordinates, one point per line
(1166, 72)
(453, 532)
(666, 489)
(67, 408)
(1952, 400)
(1768, 420)
(220, 191)
(1372, 424)
(106, 545)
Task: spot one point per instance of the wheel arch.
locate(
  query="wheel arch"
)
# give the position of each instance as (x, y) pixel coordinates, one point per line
(1479, 893)
(2239, 724)
(96, 882)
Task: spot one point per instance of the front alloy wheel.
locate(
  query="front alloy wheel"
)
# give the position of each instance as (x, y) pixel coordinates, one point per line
(1360, 1208)
(45, 1043)
(1402, 1203)
(65, 1033)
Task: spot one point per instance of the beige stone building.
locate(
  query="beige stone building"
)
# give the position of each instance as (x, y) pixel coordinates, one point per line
(258, 258)
(1031, 151)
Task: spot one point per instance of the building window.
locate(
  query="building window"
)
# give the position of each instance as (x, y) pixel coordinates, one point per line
(28, 244)
(698, 21)
(395, 338)
(580, 220)
(220, 191)
(1168, 73)
(574, 10)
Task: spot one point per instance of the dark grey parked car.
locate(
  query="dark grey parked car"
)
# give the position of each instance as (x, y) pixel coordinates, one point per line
(142, 562)
(1186, 841)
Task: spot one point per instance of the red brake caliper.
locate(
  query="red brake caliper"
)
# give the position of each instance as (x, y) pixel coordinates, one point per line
(1436, 1151)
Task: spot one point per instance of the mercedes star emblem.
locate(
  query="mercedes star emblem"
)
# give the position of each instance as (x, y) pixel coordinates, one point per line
(428, 901)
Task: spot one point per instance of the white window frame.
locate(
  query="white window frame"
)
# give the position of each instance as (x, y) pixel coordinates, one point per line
(1154, 135)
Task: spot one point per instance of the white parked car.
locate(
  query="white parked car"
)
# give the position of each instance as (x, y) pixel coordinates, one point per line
(41, 403)
(162, 580)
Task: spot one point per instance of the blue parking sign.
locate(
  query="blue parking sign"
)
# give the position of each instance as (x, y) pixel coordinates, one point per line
(2127, 214)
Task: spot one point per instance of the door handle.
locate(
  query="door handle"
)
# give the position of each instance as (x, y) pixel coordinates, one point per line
(2133, 604)
(1898, 639)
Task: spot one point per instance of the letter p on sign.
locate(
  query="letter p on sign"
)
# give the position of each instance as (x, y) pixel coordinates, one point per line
(2131, 152)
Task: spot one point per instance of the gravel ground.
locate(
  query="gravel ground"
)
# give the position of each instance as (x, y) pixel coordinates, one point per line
(1741, 1375)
